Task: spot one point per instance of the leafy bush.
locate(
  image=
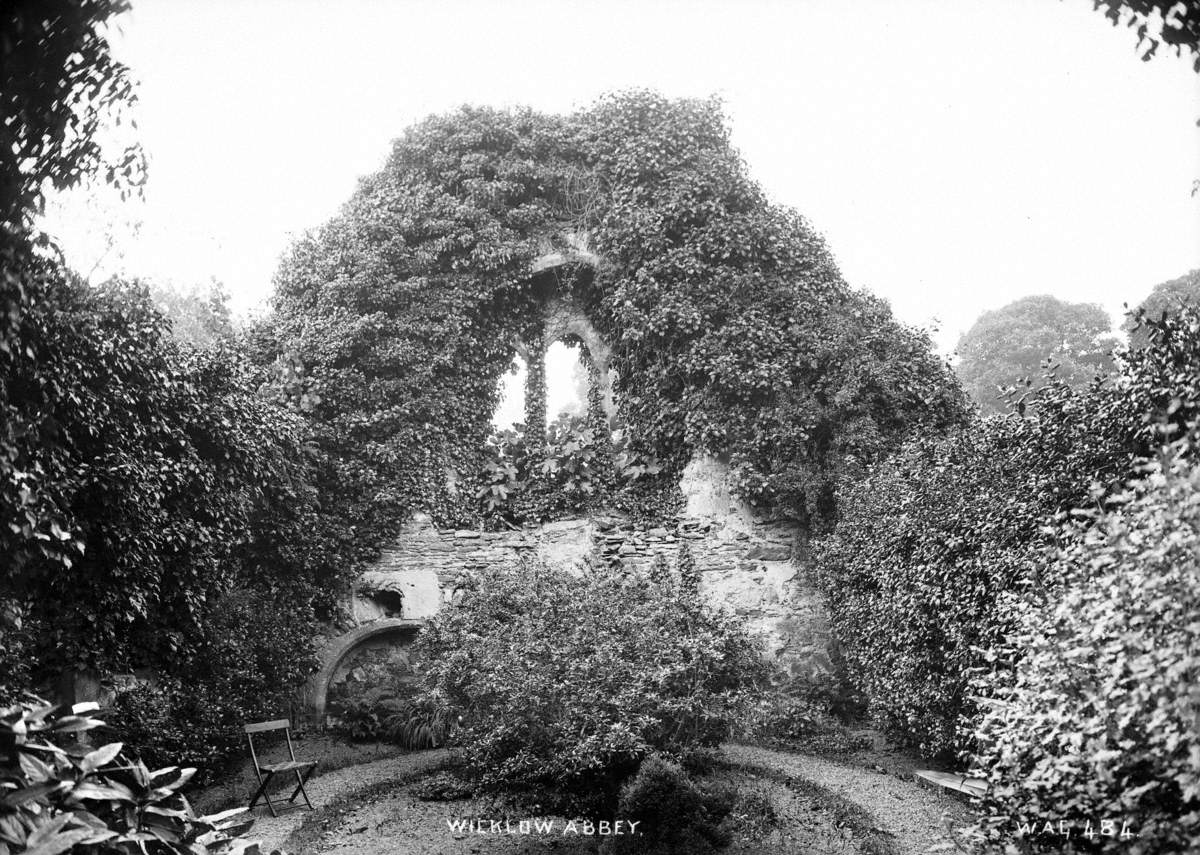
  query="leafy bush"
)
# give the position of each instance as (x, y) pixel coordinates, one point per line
(363, 719)
(930, 541)
(156, 512)
(565, 682)
(413, 723)
(675, 816)
(60, 798)
(255, 652)
(1099, 722)
(925, 546)
(14, 658)
(568, 471)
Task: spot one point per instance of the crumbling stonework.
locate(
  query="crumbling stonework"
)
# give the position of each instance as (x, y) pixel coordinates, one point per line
(757, 568)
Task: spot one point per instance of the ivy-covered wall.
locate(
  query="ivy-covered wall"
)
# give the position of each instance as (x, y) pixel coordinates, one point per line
(716, 328)
(731, 331)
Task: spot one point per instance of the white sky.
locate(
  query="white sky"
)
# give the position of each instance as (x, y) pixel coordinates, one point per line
(957, 154)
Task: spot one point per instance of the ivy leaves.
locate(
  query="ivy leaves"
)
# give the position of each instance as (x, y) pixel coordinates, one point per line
(941, 545)
(733, 332)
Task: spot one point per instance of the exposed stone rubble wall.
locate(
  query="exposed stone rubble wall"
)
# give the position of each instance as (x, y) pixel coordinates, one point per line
(755, 570)
(755, 567)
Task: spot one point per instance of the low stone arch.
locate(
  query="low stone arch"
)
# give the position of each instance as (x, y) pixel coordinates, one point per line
(335, 652)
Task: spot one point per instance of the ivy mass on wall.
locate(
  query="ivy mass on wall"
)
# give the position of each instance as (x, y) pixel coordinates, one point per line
(732, 331)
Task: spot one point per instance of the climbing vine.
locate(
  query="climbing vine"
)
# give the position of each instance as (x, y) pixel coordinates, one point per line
(732, 331)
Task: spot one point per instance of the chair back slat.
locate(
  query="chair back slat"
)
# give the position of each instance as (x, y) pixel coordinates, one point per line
(261, 726)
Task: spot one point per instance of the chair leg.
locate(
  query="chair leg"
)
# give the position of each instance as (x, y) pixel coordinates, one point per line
(300, 782)
(262, 792)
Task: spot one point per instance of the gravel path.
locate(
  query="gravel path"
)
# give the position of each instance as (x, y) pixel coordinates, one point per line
(273, 831)
(917, 818)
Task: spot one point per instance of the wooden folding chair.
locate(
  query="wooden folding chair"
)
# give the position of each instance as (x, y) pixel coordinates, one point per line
(302, 768)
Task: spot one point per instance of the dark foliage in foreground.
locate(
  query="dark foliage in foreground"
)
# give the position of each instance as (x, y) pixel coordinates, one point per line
(1180, 25)
(60, 86)
(675, 814)
(156, 512)
(1098, 721)
(929, 544)
(61, 796)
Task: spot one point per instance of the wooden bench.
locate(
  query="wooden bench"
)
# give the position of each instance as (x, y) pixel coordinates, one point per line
(953, 782)
(303, 769)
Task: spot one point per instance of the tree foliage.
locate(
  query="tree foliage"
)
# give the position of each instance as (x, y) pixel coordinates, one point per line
(1175, 23)
(141, 472)
(732, 329)
(929, 543)
(60, 89)
(1166, 299)
(1008, 346)
(199, 315)
(148, 492)
(158, 512)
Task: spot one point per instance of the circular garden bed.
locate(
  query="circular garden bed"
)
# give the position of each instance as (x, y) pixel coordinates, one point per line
(436, 813)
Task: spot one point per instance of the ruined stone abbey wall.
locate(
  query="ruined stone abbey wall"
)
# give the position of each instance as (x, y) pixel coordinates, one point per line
(756, 568)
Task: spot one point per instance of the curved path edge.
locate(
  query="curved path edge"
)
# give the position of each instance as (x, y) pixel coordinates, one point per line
(918, 819)
(273, 831)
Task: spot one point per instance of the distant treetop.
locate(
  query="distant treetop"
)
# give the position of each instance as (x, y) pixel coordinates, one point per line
(1007, 346)
(1165, 299)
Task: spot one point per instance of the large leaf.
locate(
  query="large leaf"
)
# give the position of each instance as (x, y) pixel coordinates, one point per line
(90, 790)
(101, 757)
(28, 794)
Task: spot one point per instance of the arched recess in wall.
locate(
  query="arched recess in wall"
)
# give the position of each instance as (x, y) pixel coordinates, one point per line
(396, 631)
(564, 333)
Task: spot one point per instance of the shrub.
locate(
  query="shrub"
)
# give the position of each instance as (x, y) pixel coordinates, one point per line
(413, 723)
(255, 653)
(362, 719)
(60, 798)
(929, 542)
(1099, 722)
(156, 512)
(925, 546)
(674, 815)
(565, 682)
